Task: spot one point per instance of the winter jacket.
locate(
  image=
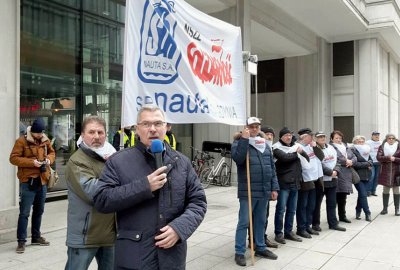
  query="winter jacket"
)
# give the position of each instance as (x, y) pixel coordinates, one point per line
(345, 184)
(262, 169)
(389, 175)
(362, 166)
(288, 168)
(86, 227)
(180, 203)
(25, 151)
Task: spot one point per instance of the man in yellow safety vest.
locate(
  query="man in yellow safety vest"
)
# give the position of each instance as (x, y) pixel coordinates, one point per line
(129, 138)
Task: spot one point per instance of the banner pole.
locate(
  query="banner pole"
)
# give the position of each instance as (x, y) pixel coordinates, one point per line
(250, 209)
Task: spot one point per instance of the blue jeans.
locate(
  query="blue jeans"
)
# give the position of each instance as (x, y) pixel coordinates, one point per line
(305, 209)
(286, 205)
(362, 201)
(34, 196)
(330, 194)
(373, 182)
(259, 208)
(80, 258)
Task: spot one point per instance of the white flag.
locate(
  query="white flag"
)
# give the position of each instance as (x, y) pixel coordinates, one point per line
(186, 62)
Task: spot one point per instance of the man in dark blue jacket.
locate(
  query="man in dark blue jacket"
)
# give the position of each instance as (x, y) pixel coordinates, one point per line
(157, 209)
(264, 185)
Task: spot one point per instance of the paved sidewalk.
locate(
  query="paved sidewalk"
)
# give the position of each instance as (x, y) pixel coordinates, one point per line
(364, 245)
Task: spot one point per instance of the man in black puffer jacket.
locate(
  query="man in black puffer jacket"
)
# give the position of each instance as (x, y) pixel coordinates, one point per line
(264, 185)
(288, 170)
(157, 209)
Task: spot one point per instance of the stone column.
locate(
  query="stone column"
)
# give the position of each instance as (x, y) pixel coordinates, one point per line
(9, 104)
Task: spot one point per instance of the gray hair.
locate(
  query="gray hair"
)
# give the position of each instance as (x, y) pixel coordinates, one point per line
(149, 108)
(390, 135)
(93, 118)
(358, 137)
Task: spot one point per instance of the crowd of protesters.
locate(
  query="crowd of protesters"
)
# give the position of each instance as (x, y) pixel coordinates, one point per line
(298, 171)
(116, 207)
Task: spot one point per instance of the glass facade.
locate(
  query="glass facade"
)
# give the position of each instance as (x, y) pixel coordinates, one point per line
(71, 67)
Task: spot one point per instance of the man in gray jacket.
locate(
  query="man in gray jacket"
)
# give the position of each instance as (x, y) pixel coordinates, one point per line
(90, 234)
(157, 209)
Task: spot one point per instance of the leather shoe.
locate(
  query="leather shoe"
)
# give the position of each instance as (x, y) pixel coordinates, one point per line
(266, 254)
(316, 228)
(368, 218)
(311, 231)
(338, 228)
(358, 215)
(279, 238)
(270, 244)
(374, 194)
(345, 220)
(240, 260)
(293, 237)
(303, 234)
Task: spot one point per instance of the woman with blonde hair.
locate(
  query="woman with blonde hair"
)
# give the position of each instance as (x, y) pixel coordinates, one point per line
(389, 177)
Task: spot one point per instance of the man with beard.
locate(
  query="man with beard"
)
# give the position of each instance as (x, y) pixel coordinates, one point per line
(90, 234)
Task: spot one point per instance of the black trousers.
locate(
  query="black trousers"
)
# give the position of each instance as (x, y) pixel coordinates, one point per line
(341, 199)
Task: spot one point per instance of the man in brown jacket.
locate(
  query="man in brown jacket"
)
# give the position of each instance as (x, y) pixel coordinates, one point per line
(33, 154)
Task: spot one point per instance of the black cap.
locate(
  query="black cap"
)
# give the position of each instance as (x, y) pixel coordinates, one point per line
(268, 130)
(284, 131)
(376, 133)
(320, 134)
(38, 126)
(305, 131)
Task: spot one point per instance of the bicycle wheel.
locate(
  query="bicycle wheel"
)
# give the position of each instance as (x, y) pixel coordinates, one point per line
(205, 178)
(225, 175)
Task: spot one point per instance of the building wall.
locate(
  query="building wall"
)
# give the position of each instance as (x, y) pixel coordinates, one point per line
(9, 120)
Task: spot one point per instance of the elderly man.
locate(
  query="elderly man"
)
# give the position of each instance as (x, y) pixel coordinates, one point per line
(33, 154)
(157, 208)
(264, 185)
(90, 234)
(311, 172)
(288, 157)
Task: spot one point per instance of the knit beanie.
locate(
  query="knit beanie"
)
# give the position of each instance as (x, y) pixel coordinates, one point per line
(268, 129)
(284, 131)
(38, 126)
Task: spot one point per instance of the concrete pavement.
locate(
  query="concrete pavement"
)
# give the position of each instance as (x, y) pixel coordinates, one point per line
(364, 245)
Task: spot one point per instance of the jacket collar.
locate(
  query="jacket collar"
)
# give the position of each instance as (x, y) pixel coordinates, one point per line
(30, 138)
(90, 152)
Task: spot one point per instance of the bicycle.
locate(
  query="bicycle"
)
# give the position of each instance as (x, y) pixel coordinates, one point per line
(217, 175)
(200, 161)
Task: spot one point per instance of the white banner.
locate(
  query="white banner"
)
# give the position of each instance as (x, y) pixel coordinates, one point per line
(186, 62)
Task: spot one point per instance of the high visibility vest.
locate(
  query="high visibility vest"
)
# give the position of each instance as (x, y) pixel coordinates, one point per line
(128, 143)
(173, 143)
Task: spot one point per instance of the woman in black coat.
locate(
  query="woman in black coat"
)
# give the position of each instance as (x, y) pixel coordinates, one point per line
(363, 167)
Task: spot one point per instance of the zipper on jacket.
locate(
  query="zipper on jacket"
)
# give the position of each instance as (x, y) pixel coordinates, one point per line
(390, 178)
(86, 225)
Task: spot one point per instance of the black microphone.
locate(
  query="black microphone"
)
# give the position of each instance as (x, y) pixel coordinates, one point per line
(157, 148)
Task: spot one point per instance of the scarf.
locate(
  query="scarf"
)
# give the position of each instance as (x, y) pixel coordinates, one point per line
(389, 150)
(292, 149)
(258, 143)
(341, 148)
(104, 151)
(364, 150)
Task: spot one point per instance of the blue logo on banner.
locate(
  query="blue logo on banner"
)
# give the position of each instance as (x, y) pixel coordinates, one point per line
(159, 55)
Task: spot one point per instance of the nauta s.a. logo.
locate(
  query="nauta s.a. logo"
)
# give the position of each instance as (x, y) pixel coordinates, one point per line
(159, 55)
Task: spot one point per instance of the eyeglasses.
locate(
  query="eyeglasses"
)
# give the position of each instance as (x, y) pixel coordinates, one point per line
(156, 124)
(391, 138)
